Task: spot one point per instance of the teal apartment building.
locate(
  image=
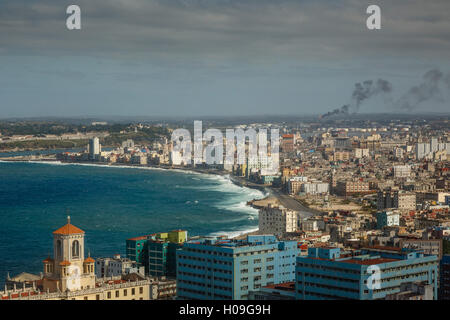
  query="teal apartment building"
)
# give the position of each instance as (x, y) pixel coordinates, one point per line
(136, 250)
(215, 269)
(366, 274)
(156, 252)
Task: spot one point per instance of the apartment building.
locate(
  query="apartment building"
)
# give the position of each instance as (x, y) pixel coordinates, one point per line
(295, 184)
(346, 188)
(277, 220)
(366, 274)
(387, 219)
(116, 266)
(402, 171)
(401, 200)
(216, 269)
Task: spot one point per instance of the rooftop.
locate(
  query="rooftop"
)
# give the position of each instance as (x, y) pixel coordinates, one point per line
(68, 229)
(369, 262)
(287, 286)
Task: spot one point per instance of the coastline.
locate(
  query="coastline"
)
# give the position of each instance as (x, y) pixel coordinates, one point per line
(238, 182)
(269, 193)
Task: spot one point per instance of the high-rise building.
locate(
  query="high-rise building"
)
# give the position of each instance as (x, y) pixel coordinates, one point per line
(136, 250)
(401, 200)
(156, 252)
(228, 269)
(277, 220)
(366, 274)
(161, 254)
(94, 148)
(428, 150)
(444, 273)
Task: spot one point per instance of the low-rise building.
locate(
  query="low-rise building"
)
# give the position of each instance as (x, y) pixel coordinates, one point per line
(282, 291)
(413, 291)
(346, 188)
(116, 266)
(387, 219)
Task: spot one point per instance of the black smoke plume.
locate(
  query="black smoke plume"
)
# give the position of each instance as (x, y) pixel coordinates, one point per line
(430, 89)
(342, 110)
(363, 91)
(434, 83)
(368, 89)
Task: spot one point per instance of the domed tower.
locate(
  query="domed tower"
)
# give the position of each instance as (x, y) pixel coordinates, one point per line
(66, 271)
(88, 265)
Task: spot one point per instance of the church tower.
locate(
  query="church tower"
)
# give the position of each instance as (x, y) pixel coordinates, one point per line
(68, 270)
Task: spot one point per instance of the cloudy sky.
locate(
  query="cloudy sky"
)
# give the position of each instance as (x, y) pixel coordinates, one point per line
(216, 57)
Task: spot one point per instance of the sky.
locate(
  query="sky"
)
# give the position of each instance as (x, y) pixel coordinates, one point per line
(216, 57)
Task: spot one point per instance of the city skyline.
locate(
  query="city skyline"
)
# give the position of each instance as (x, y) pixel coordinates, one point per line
(244, 150)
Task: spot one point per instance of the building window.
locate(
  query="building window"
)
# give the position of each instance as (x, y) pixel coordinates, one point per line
(141, 290)
(58, 249)
(75, 249)
(97, 297)
(117, 293)
(124, 292)
(109, 294)
(133, 291)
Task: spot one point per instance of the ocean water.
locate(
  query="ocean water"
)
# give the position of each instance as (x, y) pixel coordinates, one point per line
(110, 204)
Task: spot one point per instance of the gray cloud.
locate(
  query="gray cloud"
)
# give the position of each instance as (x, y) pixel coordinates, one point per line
(204, 56)
(221, 30)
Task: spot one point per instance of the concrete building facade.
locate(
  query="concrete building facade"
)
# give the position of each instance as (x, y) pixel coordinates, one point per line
(228, 269)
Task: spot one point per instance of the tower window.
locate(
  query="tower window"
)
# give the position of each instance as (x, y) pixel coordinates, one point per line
(75, 249)
(58, 249)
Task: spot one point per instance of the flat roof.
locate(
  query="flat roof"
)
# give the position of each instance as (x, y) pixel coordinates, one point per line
(369, 261)
(287, 286)
(139, 238)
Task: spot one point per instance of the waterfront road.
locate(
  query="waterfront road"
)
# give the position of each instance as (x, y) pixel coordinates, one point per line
(293, 204)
